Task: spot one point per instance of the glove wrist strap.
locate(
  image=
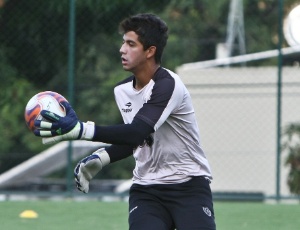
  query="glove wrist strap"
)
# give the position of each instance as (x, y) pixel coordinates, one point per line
(103, 155)
(88, 130)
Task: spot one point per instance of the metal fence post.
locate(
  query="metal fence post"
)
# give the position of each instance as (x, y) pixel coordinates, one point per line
(71, 59)
(279, 88)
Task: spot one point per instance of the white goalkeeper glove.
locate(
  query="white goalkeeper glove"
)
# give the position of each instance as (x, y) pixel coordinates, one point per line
(57, 128)
(88, 167)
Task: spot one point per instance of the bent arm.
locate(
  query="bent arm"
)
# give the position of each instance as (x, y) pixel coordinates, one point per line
(119, 152)
(132, 134)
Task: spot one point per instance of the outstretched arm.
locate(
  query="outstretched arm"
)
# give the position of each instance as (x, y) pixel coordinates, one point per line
(132, 134)
(57, 128)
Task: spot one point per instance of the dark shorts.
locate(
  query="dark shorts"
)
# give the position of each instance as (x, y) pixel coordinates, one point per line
(184, 206)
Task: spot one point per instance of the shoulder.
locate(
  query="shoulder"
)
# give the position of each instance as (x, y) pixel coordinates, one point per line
(163, 78)
(162, 74)
(167, 80)
(166, 76)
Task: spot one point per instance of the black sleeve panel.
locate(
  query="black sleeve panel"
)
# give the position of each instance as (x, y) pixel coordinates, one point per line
(132, 134)
(119, 152)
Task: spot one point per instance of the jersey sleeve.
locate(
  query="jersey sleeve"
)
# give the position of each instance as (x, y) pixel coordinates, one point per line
(124, 134)
(119, 152)
(165, 98)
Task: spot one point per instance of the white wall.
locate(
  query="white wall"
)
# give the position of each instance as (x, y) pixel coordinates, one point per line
(236, 110)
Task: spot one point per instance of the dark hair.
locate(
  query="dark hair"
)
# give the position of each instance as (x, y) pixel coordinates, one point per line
(151, 31)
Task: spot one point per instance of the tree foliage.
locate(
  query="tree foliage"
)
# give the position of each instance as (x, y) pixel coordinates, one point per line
(195, 29)
(34, 56)
(34, 52)
(15, 91)
(291, 147)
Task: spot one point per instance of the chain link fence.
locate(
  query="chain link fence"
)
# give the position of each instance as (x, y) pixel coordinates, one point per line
(72, 47)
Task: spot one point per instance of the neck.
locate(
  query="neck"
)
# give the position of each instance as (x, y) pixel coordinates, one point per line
(143, 77)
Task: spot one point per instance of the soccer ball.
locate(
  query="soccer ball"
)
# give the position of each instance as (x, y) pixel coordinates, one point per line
(46, 100)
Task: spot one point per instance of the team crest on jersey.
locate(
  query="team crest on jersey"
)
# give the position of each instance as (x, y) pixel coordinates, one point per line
(127, 108)
(207, 211)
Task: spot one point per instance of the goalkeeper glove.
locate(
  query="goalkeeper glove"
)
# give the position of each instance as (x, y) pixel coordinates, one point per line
(88, 167)
(57, 128)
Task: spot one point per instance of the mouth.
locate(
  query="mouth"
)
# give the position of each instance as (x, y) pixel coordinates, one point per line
(124, 61)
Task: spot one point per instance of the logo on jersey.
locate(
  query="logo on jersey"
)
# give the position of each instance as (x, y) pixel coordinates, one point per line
(207, 211)
(127, 108)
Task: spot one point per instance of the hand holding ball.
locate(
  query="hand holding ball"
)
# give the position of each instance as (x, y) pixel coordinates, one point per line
(47, 100)
(49, 115)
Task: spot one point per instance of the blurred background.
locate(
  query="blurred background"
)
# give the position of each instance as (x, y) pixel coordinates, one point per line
(239, 59)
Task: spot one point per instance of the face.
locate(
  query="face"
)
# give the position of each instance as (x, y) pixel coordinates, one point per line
(132, 52)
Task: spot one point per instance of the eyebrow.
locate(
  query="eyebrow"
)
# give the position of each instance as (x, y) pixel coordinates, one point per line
(130, 41)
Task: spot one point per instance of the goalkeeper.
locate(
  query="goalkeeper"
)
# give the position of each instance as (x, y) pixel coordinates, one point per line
(171, 179)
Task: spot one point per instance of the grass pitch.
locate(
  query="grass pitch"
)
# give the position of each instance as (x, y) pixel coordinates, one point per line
(75, 215)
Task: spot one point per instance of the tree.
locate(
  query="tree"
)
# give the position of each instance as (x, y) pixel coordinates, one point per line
(196, 27)
(34, 52)
(15, 91)
(291, 147)
(16, 142)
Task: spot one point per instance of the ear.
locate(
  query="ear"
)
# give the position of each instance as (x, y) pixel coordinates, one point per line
(151, 51)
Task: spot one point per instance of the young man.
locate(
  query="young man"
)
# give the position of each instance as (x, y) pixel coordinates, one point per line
(172, 175)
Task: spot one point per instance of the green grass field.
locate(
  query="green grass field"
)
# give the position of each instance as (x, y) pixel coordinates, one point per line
(75, 215)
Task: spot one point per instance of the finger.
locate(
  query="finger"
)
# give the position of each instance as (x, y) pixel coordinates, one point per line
(68, 108)
(76, 170)
(51, 140)
(83, 184)
(85, 190)
(66, 105)
(42, 124)
(78, 185)
(81, 188)
(50, 115)
(44, 133)
(77, 180)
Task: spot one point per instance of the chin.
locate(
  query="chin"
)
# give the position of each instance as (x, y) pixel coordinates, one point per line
(126, 68)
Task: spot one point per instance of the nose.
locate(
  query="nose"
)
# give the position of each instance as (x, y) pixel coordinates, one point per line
(122, 49)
